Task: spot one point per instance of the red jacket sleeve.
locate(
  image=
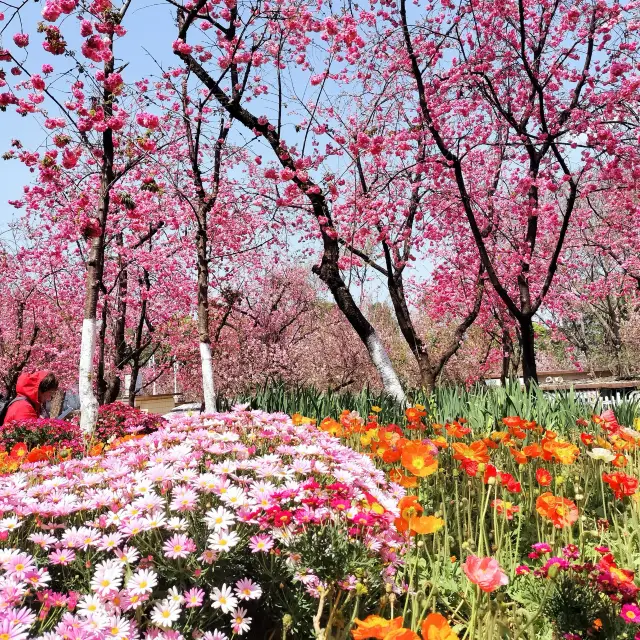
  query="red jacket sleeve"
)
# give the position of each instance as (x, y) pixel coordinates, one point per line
(20, 410)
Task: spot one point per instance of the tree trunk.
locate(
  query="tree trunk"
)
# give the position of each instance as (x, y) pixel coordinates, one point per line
(114, 385)
(507, 352)
(133, 379)
(527, 342)
(56, 404)
(208, 386)
(95, 269)
(88, 401)
(382, 363)
(101, 381)
(329, 273)
(428, 380)
(119, 344)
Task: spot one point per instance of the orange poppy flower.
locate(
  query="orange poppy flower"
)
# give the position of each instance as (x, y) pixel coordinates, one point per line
(504, 507)
(619, 444)
(375, 627)
(490, 443)
(563, 452)
(351, 421)
(532, 450)
(391, 434)
(517, 432)
(620, 461)
(476, 452)
(437, 427)
(436, 627)
(456, 430)
(408, 482)
(512, 421)
(414, 414)
(379, 448)
(561, 511)
(417, 458)
(37, 455)
(331, 426)
(621, 483)
(409, 507)
(471, 456)
(543, 477)
(518, 456)
(402, 634)
(440, 442)
(96, 450)
(391, 455)
(426, 524)
(412, 520)
(499, 436)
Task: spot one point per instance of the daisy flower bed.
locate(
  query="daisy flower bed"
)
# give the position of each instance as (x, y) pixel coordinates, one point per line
(237, 524)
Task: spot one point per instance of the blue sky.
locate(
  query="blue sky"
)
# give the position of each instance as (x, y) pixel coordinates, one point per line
(146, 47)
(150, 30)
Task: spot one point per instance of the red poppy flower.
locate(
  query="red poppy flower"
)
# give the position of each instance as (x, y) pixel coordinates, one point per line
(587, 439)
(621, 484)
(510, 483)
(19, 450)
(543, 477)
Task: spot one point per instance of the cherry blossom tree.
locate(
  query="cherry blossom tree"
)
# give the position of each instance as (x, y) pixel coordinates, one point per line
(245, 43)
(37, 316)
(542, 89)
(101, 140)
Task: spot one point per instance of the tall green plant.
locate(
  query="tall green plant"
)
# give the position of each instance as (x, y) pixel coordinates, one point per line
(482, 406)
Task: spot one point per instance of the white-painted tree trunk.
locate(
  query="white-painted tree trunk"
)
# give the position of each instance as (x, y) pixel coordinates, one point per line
(88, 401)
(382, 363)
(208, 388)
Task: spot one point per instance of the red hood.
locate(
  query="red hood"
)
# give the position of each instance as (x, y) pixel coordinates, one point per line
(28, 384)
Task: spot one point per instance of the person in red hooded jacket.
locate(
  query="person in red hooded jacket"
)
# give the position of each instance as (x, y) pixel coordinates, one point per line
(33, 391)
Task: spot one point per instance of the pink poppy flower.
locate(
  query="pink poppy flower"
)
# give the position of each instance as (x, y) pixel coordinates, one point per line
(485, 572)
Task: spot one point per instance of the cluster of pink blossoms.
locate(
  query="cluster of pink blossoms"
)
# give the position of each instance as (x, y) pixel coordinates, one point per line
(151, 539)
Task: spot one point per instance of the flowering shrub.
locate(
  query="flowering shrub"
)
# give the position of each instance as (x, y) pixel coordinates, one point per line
(118, 419)
(205, 528)
(59, 434)
(591, 597)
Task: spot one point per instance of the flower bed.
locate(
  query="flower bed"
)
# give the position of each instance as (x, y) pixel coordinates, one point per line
(204, 528)
(512, 529)
(50, 439)
(56, 435)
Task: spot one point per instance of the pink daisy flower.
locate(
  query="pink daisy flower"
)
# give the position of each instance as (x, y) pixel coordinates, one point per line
(261, 542)
(194, 598)
(178, 546)
(62, 556)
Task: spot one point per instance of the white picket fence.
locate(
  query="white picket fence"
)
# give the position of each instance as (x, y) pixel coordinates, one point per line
(592, 396)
